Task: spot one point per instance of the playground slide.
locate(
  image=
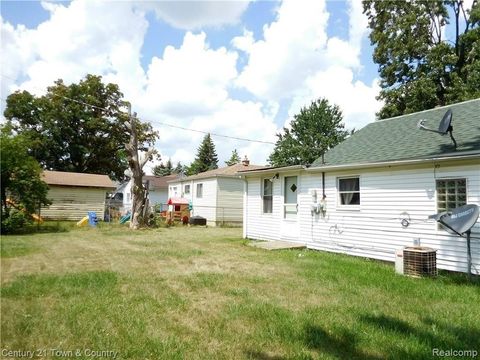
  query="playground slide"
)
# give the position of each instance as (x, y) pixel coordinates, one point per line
(124, 219)
(83, 222)
(34, 216)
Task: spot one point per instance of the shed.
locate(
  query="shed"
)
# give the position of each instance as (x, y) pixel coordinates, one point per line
(74, 194)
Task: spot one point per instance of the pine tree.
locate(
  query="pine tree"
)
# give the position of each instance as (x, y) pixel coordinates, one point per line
(163, 170)
(234, 159)
(179, 169)
(206, 157)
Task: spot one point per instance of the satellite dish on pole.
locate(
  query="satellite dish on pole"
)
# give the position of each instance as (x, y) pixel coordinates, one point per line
(444, 127)
(460, 222)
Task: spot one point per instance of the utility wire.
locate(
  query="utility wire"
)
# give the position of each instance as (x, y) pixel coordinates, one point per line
(161, 123)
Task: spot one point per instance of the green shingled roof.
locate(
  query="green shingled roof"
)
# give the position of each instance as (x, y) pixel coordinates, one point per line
(399, 138)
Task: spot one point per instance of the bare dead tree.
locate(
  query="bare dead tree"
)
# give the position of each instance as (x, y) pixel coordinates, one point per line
(137, 218)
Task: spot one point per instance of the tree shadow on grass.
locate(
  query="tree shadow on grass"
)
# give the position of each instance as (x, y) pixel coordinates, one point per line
(451, 278)
(441, 338)
(342, 345)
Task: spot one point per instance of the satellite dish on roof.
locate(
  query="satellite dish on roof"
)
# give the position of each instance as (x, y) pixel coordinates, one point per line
(460, 222)
(444, 127)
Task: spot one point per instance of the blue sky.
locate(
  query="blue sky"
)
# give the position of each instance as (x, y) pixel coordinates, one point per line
(235, 68)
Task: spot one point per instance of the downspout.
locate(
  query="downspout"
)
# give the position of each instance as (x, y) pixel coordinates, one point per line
(323, 179)
(245, 207)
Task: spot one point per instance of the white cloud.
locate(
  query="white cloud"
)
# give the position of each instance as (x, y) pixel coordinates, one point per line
(297, 62)
(190, 80)
(355, 99)
(192, 85)
(289, 52)
(191, 15)
(83, 37)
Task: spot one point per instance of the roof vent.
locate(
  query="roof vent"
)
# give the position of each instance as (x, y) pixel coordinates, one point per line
(245, 161)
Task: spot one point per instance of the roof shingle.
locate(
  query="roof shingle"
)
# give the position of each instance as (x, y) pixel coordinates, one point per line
(64, 178)
(223, 171)
(400, 138)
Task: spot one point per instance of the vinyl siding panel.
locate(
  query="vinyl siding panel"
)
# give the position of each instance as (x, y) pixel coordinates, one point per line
(204, 206)
(73, 203)
(158, 197)
(259, 225)
(374, 228)
(229, 201)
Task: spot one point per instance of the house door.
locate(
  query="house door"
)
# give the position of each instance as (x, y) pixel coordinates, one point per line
(290, 228)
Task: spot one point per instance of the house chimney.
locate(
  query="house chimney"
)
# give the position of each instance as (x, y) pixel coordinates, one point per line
(245, 162)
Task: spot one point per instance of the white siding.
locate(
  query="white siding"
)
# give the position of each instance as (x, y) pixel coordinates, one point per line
(73, 203)
(158, 197)
(259, 225)
(230, 201)
(204, 206)
(374, 229)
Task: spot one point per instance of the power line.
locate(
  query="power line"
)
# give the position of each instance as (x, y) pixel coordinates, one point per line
(211, 133)
(162, 123)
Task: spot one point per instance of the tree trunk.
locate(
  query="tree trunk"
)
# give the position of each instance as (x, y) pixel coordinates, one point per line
(136, 165)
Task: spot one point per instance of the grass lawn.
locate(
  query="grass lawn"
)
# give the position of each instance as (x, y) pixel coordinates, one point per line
(201, 293)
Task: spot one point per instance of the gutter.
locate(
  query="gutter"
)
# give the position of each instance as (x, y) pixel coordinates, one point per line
(272, 170)
(391, 163)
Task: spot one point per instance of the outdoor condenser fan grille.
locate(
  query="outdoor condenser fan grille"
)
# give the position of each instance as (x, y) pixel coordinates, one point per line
(419, 261)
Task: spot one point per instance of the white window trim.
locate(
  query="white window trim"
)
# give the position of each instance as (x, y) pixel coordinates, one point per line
(196, 191)
(185, 189)
(262, 186)
(339, 205)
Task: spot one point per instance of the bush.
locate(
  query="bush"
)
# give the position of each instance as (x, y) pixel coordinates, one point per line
(15, 222)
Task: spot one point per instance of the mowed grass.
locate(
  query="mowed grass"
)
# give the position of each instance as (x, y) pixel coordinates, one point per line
(202, 293)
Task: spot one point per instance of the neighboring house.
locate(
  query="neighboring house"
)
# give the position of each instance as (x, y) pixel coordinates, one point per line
(216, 195)
(387, 172)
(157, 194)
(74, 194)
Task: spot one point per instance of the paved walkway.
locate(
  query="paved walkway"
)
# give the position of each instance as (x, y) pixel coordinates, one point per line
(276, 245)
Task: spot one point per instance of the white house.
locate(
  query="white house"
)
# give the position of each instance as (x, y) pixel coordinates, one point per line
(157, 193)
(216, 195)
(376, 190)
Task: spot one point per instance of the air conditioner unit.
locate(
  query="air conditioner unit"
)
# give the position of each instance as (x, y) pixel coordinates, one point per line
(419, 261)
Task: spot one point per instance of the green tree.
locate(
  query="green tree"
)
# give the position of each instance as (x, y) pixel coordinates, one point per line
(21, 181)
(67, 135)
(163, 170)
(419, 68)
(313, 131)
(206, 157)
(179, 168)
(234, 158)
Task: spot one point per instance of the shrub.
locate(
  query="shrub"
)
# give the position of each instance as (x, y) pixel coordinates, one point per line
(15, 222)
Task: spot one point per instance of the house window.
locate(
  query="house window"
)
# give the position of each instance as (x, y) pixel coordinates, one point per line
(199, 190)
(349, 191)
(187, 189)
(267, 195)
(451, 193)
